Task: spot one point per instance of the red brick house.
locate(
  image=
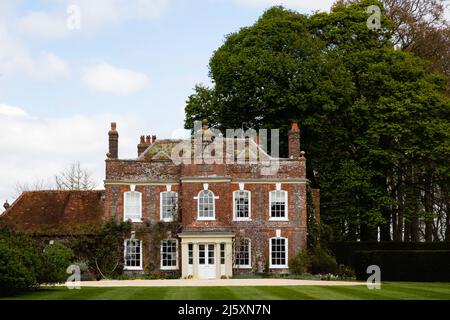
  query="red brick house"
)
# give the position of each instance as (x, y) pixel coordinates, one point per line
(232, 217)
(205, 219)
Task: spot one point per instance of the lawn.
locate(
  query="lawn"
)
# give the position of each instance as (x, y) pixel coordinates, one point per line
(389, 290)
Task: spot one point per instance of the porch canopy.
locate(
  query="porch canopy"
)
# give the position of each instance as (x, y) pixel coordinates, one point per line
(206, 254)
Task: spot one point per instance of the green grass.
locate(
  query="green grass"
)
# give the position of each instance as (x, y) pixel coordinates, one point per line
(389, 290)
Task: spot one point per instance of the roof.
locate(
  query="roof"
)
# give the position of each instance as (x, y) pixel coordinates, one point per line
(243, 148)
(55, 212)
(160, 150)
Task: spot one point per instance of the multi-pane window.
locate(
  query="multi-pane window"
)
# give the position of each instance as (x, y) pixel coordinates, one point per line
(222, 253)
(241, 204)
(201, 254)
(169, 205)
(133, 254)
(242, 253)
(132, 206)
(190, 253)
(206, 205)
(211, 253)
(169, 254)
(278, 253)
(278, 204)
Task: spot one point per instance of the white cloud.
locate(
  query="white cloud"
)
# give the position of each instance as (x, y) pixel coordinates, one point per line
(17, 60)
(107, 78)
(94, 16)
(307, 5)
(35, 149)
(100, 13)
(6, 110)
(41, 25)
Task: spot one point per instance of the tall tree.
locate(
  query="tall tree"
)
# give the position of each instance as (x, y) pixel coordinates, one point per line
(375, 124)
(420, 27)
(74, 177)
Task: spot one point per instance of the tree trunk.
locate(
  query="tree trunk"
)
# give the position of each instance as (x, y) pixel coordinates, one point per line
(428, 206)
(407, 237)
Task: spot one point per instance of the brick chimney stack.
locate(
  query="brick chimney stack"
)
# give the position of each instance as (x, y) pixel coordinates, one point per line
(113, 142)
(144, 143)
(294, 141)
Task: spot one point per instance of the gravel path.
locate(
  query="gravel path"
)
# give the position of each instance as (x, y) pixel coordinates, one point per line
(215, 283)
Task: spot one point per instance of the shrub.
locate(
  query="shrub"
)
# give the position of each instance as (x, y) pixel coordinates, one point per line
(300, 263)
(345, 272)
(322, 261)
(345, 251)
(19, 262)
(14, 275)
(405, 265)
(55, 260)
(103, 252)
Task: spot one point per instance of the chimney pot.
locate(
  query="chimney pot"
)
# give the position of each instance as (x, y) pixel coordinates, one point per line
(6, 205)
(153, 138)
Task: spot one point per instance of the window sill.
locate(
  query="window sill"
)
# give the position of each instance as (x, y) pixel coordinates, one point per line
(167, 220)
(278, 219)
(206, 219)
(278, 267)
(133, 269)
(133, 220)
(242, 267)
(242, 219)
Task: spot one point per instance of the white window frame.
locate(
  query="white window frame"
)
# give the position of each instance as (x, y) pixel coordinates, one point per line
(249, 265)
(125, 255)
(286, 206)
(161, 205)
(214, 206)
(162, 267)
(249, 218)
(286, 247)
(125, 206)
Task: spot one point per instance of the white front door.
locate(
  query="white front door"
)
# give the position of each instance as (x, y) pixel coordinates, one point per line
(206, 261)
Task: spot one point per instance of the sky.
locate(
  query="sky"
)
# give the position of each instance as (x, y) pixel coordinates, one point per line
(70, 67)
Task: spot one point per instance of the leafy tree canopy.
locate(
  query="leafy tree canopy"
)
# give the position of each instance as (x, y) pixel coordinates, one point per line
(375, 124)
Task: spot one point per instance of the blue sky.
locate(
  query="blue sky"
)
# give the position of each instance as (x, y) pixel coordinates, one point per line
(134, 62)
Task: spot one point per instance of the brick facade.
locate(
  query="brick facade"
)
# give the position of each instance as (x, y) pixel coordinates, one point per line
(154, 172)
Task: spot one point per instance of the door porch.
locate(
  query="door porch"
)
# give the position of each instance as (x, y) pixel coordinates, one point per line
(206, 254)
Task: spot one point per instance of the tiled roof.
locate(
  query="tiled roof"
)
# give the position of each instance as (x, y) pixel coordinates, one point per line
(162, 149)
(55, 212)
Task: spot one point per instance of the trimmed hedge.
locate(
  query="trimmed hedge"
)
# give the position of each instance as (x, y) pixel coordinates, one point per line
(405, 265)
(345, 251)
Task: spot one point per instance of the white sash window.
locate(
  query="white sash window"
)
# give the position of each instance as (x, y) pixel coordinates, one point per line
(132, 206)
